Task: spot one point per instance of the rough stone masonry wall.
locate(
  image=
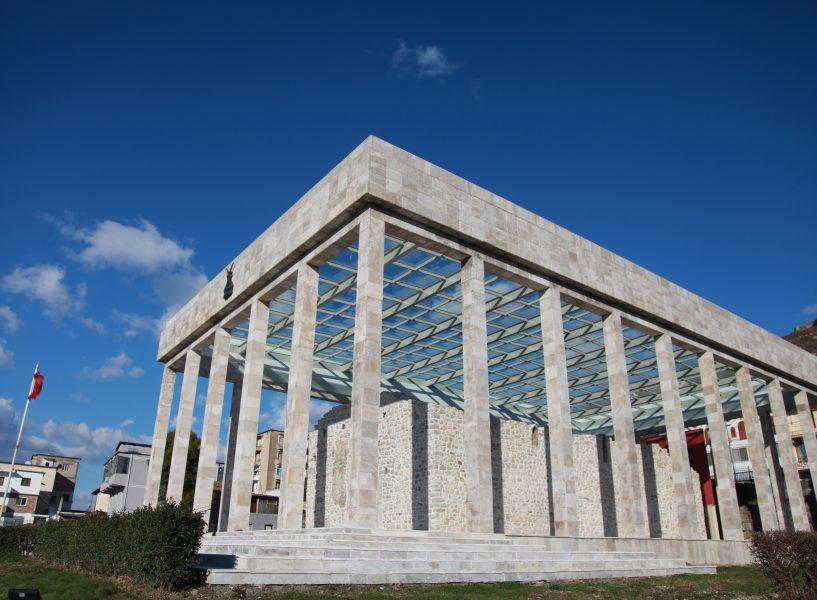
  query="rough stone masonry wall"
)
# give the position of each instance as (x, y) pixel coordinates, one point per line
(422, 478)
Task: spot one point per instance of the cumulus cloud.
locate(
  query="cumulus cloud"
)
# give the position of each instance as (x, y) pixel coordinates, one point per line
(175, 289)
(134, 324)
(115, 367)
(810, 309)
(46, 284)
(92, 324)
(92, 444)
(11, 323)
(6, 356)
(423, 61)
(127, 247)
(172, 425)
(141, 249)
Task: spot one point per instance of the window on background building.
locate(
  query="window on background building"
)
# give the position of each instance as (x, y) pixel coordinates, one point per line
(2, 480)
(64, 467)
(277, 484)
(267, 506)
(122, 464)
(280, 439)
(21, 501)
(278, 470)
(254, 486)
(740, 455)
(800, 450)
(25, 481)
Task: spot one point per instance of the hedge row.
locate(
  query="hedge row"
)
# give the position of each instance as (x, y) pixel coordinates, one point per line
(156, 546)
(789, 558)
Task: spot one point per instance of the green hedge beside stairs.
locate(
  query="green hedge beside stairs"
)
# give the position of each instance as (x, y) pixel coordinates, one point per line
(155, 546)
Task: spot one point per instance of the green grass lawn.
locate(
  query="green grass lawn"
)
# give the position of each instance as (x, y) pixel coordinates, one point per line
(19, 572)
(730, 582)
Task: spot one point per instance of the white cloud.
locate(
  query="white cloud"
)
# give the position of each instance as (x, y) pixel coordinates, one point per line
(139, 249)
(79, 397)
(125, 247)
(810, 309)
(11, 323)
(92, 444)
(115, 367)
(92, 324)
(45, 283)
(135, 324)
(424, 61)
(172, 425)
(126, 422)
(6, 356)
(175, 289)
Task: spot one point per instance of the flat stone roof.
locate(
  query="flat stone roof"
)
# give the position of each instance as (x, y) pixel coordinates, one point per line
(380, 174)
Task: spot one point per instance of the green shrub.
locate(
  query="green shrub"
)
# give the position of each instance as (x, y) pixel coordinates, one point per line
(17, 540)
(156, 546)
(789, 558)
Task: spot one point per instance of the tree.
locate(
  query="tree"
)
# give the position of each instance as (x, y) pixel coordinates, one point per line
(191, 468)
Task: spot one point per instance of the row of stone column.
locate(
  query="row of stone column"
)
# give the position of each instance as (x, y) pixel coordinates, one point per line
(361, 482)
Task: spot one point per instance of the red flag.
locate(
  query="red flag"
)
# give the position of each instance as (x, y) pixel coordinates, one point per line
(36, 384)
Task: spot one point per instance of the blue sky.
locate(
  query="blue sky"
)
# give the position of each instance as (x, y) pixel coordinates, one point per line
(143, 146)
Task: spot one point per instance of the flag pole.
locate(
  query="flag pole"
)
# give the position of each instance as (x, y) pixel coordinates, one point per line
(14, 456)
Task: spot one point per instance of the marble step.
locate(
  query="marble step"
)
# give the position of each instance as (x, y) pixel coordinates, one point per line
(423, 551)
(253, 577)
(398, 537)
(340, 565)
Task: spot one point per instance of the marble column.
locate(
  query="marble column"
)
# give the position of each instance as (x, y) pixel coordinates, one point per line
(631, 517)
(229, 460)
(157, 449)
(296, 425)
(560, 428)
(785, 451)
(809, 438)
(361, 479)
(676, 439)
(775, 471)
(757, 450)
(184, 422)
(721, 453)
(247, 430)
(211, 427)
(479, 504)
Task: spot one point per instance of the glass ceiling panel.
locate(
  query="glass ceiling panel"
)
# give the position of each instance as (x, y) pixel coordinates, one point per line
(422, 342)
(515, 361)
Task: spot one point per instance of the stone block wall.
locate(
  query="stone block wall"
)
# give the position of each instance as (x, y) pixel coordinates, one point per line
(422, 478)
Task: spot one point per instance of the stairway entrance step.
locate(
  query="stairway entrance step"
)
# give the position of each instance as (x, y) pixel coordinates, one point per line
(249, 577)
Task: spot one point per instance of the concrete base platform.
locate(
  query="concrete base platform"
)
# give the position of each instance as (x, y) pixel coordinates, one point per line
(365, 556)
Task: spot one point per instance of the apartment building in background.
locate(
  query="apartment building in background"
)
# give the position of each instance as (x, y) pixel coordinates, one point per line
(266, 479)
(123, 479)
(42, 488)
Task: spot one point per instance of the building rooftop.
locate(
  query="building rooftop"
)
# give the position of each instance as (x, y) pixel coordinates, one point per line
(804, 336)
(433, 220)
(44, 455)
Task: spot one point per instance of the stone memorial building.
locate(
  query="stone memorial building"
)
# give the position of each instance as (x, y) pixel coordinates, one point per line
(513, 401)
